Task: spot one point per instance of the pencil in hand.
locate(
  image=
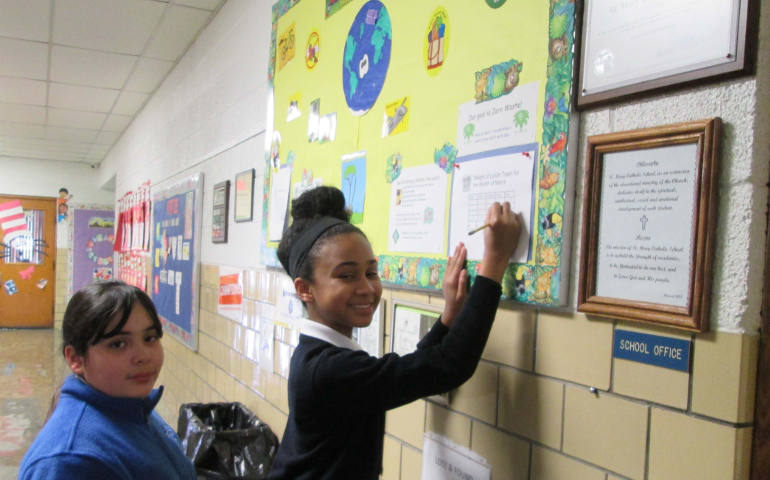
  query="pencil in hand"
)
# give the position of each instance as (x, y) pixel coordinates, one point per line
(479, 229)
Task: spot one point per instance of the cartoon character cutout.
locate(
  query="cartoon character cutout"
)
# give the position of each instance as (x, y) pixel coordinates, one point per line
(393, 167)
(498, 80)
(285, 50)
(437, 35)
(445, 157)
(396, 119)
(61, 204)
(312, 50)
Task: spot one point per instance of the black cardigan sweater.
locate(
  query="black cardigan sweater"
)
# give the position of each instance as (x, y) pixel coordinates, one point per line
(338, 397)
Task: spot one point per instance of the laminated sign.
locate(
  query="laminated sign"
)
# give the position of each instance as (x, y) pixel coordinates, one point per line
(230, 292)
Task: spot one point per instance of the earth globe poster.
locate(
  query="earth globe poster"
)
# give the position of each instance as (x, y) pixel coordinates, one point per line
(421, 93)
(366, 58)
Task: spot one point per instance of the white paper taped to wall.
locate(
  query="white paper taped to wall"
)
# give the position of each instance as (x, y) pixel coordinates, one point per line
(442, 459)
(498, 176)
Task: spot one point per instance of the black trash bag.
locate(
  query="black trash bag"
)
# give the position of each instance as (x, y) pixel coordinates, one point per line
(226, 441)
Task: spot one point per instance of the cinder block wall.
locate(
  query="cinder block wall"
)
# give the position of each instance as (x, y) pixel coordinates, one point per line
(529, 409)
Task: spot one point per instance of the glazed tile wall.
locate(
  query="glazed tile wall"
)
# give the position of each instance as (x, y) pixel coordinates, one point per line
(61, 295)
(529, 410)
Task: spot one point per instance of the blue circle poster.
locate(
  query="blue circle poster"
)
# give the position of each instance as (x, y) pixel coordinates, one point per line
(366, 58)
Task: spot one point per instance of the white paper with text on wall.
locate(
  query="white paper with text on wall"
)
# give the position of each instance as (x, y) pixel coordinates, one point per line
(442, 459)
(499, 123)
(503, 176)
(266, 343)
(279, 202)
(647, 212)
(417, 206)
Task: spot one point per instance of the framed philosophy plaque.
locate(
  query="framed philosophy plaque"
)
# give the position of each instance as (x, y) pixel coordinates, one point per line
(647, 240)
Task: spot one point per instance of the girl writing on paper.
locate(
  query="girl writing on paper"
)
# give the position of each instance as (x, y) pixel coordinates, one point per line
(338, 394)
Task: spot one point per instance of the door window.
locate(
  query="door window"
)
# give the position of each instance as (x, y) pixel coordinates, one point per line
(24, 243)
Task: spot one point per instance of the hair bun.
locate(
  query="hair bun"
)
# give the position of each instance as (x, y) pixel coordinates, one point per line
(323, 201)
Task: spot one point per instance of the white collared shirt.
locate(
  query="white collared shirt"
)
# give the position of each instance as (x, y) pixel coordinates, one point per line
(327, 334)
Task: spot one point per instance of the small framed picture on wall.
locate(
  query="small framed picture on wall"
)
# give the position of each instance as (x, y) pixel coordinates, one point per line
(244, 196)
(411, 321)
(219, 212)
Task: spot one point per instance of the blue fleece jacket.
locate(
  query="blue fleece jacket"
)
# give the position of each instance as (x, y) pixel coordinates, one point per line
(95, 436)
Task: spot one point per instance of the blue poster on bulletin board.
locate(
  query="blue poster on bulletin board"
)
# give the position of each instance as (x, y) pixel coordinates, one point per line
(176, 221)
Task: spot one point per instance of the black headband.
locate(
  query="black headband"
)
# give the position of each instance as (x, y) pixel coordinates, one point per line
(302, 245)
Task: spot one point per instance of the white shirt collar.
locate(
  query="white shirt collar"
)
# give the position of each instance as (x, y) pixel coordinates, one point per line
(327, 334)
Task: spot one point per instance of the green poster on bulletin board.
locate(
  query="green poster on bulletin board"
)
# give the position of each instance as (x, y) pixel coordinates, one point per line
(423, 114)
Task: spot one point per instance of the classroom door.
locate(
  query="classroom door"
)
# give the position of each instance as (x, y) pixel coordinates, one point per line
(27, 261)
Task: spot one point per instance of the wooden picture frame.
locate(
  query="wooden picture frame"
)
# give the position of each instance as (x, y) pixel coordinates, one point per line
(219, 212)
(672, 45)
(244, 196)
(649, 213)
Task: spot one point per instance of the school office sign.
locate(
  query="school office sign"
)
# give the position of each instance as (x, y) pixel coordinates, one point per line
(656, 350)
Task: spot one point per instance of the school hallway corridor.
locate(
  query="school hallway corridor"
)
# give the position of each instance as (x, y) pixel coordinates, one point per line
(31, 368)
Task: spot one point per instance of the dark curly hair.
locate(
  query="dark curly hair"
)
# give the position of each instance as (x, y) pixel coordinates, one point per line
(319, 202)
(92, 308)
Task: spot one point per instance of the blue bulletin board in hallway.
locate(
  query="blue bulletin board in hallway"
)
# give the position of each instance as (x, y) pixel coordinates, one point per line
(176, 220)
(423, 113)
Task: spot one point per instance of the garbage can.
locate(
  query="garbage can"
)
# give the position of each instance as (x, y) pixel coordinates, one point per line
(226, 441)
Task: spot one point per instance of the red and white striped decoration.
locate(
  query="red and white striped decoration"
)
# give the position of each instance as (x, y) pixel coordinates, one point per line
(12, 219)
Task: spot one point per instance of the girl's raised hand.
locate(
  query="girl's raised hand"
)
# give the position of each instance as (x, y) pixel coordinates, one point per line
(455, 286)
(500, 240)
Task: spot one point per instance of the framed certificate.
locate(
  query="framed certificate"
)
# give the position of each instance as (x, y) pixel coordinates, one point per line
(244, 196)
(371, 337)
(219, 212)
(648, 224)
(411, 321)
(630, 47)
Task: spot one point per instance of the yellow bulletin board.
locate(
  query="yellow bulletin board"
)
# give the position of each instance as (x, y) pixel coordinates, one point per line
(423, 113)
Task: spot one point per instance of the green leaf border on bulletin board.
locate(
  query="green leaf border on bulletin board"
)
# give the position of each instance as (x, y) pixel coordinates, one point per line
(543, 282)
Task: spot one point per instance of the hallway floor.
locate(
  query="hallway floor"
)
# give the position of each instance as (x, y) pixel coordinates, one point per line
(31, 368)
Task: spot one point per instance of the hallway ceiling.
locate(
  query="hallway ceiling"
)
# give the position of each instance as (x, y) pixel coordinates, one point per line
(74, 73)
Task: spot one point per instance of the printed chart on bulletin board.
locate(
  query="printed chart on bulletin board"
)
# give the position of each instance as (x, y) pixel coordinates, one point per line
(176, 220)
(423, 114)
